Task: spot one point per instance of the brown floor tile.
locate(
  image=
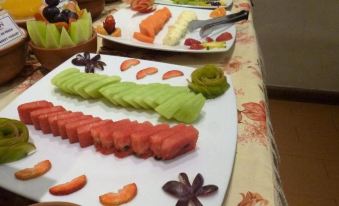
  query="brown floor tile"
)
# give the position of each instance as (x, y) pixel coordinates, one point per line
(302, 175)
(304, 200)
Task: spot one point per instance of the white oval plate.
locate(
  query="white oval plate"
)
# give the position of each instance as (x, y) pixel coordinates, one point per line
(129, 20)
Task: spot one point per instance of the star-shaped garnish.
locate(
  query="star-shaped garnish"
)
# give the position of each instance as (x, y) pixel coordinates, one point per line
(186, 193)
(90, 64)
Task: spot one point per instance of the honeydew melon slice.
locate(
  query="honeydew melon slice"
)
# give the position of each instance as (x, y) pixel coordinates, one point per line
(170, 107)
(133, 94)
(65, 39)
(37, 32)
(52, 36)
(172, 92)
(154, 99)
(67, 85)
(118, 97)
(63, 81)
(76, 33)
(139, 99)
(156, 90)
(93, 89)
(55, 80)
(75, 82)
(79, 88)
(190, 110)
(109, 91)
(86, 24)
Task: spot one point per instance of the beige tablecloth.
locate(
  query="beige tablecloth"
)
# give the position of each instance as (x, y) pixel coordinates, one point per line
(255, 180)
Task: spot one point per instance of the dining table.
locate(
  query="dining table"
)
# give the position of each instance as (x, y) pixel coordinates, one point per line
(255, 177)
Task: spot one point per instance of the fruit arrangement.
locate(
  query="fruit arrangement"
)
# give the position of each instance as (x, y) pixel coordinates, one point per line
(14, 143)
(179, 29)
(123, 137)
(55, 28)
(152, 25)
(109, 27)
(170, 102)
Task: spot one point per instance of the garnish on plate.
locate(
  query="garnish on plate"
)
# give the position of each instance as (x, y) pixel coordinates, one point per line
(36, 171)
(90, 63)
(171, 74)
(208, 44)
(69, 187)
(208, 80)
(14, 143)
(188, 193)
(126, 194)
(143, 6)
(218, 12)
(109, 27)
(145, 72)
(128, 63)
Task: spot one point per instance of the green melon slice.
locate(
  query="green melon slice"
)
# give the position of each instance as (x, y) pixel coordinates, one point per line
(79, 88)
(37, 32)
(133, 94)
(76, 33)
(111, 90)
(93, 89)
(139, 99)
(52, 36)
(118, 98)
(64, 81)
(55, 80)
(190, 110)
(170, 107)
(85, 23)
(172, 92)
(71, 83)
(65, 39)
(147, 100)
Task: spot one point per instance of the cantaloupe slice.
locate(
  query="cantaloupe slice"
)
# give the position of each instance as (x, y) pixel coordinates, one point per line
(52, 36)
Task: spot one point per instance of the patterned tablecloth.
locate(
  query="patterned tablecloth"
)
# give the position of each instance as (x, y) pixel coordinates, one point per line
(255, 180)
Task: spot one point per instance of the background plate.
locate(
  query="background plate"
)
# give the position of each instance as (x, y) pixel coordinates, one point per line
(129, 20)
(213, 157)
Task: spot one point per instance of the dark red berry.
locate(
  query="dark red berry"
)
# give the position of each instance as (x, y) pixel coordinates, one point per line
(109, 24)
(196, 46)
(224, 37)
(190, 41)
(209, 39)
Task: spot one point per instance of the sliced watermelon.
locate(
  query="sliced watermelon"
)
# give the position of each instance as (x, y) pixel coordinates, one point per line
(53, 121)
(25, 109)
(84, 132)
(63, 123)
(36, 113)
(71, 129)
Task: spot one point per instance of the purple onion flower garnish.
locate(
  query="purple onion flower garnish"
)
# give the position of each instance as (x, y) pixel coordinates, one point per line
(187, 192)
(90, 64)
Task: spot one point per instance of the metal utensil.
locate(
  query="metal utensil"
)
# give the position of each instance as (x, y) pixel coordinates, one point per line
(207, 26)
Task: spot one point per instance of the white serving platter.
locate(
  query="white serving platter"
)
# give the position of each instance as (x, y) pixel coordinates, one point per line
(213, 157)
(171, 3)
(128, 20)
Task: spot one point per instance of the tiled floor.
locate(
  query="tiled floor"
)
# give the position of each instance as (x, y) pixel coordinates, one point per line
(307, 136)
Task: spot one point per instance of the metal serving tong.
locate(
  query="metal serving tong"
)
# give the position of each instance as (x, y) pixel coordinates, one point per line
(208, 26)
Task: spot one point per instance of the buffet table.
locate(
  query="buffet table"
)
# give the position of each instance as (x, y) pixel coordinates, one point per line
(255, 180)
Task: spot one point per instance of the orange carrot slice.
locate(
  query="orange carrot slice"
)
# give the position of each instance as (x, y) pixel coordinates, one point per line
(126, 194)
(141, 37)
(36, 171)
